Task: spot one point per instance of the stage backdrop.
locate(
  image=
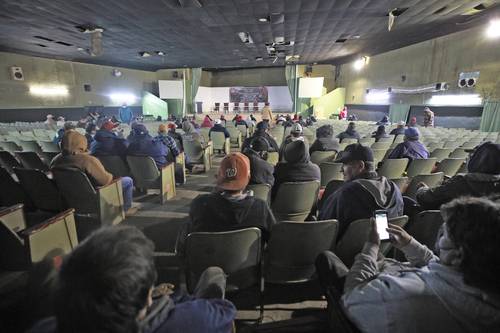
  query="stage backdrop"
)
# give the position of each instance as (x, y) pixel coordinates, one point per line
(248, 95)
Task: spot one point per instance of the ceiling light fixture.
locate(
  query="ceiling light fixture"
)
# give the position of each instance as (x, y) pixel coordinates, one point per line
(259, 58)
(160, 53)
(360, 63)
(49, 91)
(465, 99)
(120, 98)
(493, 30)
(264, 19)
(144, 54)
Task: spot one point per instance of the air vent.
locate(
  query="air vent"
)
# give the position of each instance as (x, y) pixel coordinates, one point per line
(42, 45)
(44, 38)
(64, 43)
(341, 40)
(440, 10)
(481, 6)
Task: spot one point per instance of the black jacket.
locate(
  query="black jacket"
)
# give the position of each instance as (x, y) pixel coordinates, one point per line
(398, 131)
(349, 134)
(471, 184)
(324, 144)
(270, 140)
(108, 143)
(359, 198)
(214, 213)
(261, 172)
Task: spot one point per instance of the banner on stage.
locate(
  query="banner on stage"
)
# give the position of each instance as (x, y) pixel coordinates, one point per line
(248, 95)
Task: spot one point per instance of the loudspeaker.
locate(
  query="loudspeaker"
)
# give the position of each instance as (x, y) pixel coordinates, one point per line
(87, 87)
(17, 73)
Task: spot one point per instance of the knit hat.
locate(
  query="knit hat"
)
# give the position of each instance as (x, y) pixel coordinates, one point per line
(234, 172)
(162, 128)
(356, 152)
(412, 133)
(296, 128)
(73, 143)
(109, 125)
(139, 129)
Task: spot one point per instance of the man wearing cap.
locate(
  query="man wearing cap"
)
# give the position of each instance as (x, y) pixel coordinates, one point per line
(399, 130)
(107, 142)
(349, 133)
(74, 154)
(363, 191)
(261, 172)
(174, 135)
(262, 130)
(229, 207)
(296, 133)
(411, 148)
(168, 141)
(324, 140)
(482, 179)
(428, 117)
(142, 144)
(219, 128)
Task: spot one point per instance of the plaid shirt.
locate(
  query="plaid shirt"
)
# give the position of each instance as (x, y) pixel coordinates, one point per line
(169, 142)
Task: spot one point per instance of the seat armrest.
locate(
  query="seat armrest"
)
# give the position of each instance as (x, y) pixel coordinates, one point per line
(112, 183)
(111, 202)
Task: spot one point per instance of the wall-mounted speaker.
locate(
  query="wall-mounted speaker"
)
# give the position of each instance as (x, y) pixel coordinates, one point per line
(17, 73)
(175, 74)
(87, 87)
(468, 79)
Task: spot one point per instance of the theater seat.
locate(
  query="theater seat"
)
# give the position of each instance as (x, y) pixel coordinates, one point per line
(330, 171)
(115, 165)
(293, 248)
(431, 180)
(450, 166)
(220, 142)
(197, 154)
(295, 200)
(147, 176)
(420, 166)
(15, 193)
(31, 160)
(42, 191)
(393, 168)
(319, 157)
(261, 191)
(235, 137)
(243, 130)
(8, 161)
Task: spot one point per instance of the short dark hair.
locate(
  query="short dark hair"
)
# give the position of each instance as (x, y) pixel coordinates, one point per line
(474, 225)
(104, 283)
(325, 131)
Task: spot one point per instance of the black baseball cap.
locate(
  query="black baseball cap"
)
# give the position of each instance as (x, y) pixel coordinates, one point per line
(355, 152)
(263, 125)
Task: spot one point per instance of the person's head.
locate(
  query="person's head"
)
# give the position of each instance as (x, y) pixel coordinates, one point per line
(356, 159)
(109, 126)
(124, 105)
(104, 285)
(380, 130)
(50, 117)
(139, 129)
(296, 152)
(427, 109)
(73, 143)
(263, 126)
(351, 126)
(473, 225)
(187, 127)
(162, 129)
(325, 131)
(234, 173)
(90, 129)
(288, 118)
(218, 122)
(296, 130)
(171, 127)
(412, 134)
(485, 159)
(300, 118)
(69, 125)
(260, 146)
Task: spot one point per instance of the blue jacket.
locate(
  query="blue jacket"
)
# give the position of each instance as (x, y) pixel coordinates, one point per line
(125, 114)
(410, 150)
(219, 128)
(145, 145)
(108, 143)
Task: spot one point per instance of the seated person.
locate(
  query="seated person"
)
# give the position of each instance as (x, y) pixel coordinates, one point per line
(240, 121)
(301, 121)
(106, 284)
(90, 131)
(60, 133)
(167, 140)
(74, 154)
(261, 172)
(324, 140)
(413, 122)
(380, 133)
(363, 191)
(297, 168)
(190, 133)
(262, 130)
(456, 290)
(219, 128)
(352, 117)
(399, 130)
(143, 144)
(174, 135)
(107, 142)
(384, 121)
(230, 207)
(482, 179)
(207, 122)
(350, 132)
(296, 134)
(411, 148)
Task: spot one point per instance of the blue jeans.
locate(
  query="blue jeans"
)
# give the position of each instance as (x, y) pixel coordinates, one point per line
(128, 189)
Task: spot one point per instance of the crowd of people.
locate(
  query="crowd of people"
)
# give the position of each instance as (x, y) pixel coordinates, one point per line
(451, 288)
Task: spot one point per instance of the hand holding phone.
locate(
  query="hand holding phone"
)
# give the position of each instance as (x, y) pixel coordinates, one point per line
(382, 224)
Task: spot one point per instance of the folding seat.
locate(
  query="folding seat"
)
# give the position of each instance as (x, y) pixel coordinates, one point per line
(246, 107)
(204, 133)
(393, 168)
(431, 180)
(389, 139)
(293, 248)
(459, 153)
(400, 182)
(42, 191)
(237, 252)
(378, 155)
(295, 200)
(330, 171)
(236, 107)
(198, 154)
(441, 153)
(147, 176)
(10, 146)
(226, 107)
(450, 166)
(30, 146)
(261, 191)
(319, 157)
(420, 166)
(220, 142)
(349, 141)
(367, 141)
(8, 161)
(49, 147)
(381, 145)
(31, 160)
(244, 130)
(235, 137)
(115, 165)
(354, 239)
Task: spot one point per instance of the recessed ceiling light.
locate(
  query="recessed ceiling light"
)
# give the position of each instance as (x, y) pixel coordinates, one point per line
(259, 58)
(356, 37)
(160, 53)
(144, 54)
(245, 37)
(493, 30)
(264, 19)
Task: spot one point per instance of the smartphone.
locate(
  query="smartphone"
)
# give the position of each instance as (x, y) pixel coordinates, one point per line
(382, 224)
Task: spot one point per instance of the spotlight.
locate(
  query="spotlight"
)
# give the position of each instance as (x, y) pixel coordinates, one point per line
(264, 19)
(493, 30)
(160, 53)
(120, 98)
(144, 54)
(359, 64)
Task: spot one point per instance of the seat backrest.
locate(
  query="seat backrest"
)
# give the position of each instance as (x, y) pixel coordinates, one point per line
(378, 155)
(381, 145)
(330, 171)
(400, 182)
(424, 227)
(319, 157)
(15, 194)
(450, 166)
(40, 189)
(367, 141)
(193, 150)
(204, 132)
(31, 160)
(261, 191)
(144, 170)
(420, 166)
(354, 239)
(293, 248)
(77, 190)
(115, 165)
(295, 200)
(218, 139)
(431, 180)
(441, 153)
(13, 256)
(237, 252)
(349, 141)
(10, 146)
(8, 161)
(393, 168)
(49, 146)
(459, 153)
(243, 129)
(30, 146)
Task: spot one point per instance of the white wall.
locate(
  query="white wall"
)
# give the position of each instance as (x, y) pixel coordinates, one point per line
(279, 97)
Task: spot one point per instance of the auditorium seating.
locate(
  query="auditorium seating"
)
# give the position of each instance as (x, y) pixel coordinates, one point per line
(294, 201)
(261, 191)
(147, 176)
(220, 142)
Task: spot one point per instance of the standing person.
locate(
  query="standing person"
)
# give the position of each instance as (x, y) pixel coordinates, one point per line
(50, 123)
(343, 113)
(207, 122)
(428, 117)
(267, 114)
(125, 114)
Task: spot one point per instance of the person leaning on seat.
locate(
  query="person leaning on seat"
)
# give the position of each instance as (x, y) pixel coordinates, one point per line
(74, 154)
(363, 191)
(229, 207)
(456, 290)
(261, 172)
(107, 285)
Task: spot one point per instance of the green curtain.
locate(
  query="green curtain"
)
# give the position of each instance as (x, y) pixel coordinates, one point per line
(490, 120)
(195, 84)
(399, 112)
(292, 82)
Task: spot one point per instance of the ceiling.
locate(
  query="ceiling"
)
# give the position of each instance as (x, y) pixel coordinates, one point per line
(207, 37)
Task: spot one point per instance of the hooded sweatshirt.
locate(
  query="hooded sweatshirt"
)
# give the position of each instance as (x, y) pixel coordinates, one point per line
(359, 198)
(410, 149)
(108, 143)
(297, 168)
(144, 145)
(217, 212)
(75, 155)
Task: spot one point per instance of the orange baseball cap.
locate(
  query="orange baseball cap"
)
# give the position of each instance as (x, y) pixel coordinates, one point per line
(234, 172)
